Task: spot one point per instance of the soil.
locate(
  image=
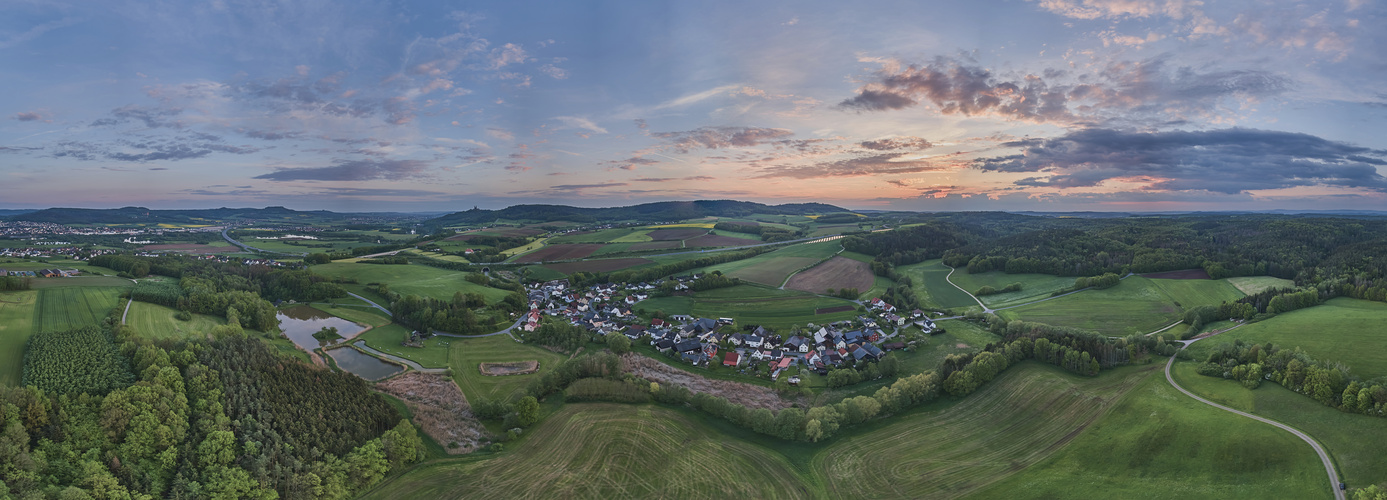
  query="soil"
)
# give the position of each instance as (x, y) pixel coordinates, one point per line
(1188, 274)
(597, 266)
(748, 395)
(676, 234)
(439, 408)
(510, 368)
(560, 252)
(654, 245)
(715, 240)
(836, 273)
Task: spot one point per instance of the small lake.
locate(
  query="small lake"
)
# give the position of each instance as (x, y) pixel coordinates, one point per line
(299, 323)
(363, 365)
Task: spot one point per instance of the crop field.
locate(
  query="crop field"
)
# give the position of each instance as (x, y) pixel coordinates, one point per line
(214, 247)
(1354, 441)
(715, 240)
(465, 357)
(835, 273)
(617, 235)
(153, 321)
(1346, 330)
(1194, 293)
(1252, 285)
(1033, 286)
(831, 229)
(751, 305)
(66, 308)
(1159, 443)
(95, 281)
(932, 288)
(1136, 305)
(676, 234)
(772, 268)
(565, 251)
(533, 245)
(16, 325)
(597, 450)
(414, 279)
(598, 266)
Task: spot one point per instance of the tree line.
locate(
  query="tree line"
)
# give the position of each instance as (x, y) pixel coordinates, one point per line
(1329, 383)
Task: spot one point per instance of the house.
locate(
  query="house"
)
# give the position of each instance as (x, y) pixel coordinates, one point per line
(737, 338)
(797, 344)
(688, 345)
(872, 349)
(733, 359)
(635, 332)
(784, 363)
(917, 314)
(657, 322)
(761, 331)
(893, 346)
(753, 341)
(664, 345)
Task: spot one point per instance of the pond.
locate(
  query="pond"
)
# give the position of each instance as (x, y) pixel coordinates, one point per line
(299, 323)
(363, 365)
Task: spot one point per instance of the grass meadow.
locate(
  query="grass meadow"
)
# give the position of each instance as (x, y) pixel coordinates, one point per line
(1252, 285)
(1188, 294)
(411, 279)
(1355, 442)
(1033, 286)
(1136, 305)
(933, 289)
(154, 321)
(16, 325)
(773, 268)
(65, 308)
(1346, 330)
(465, 357)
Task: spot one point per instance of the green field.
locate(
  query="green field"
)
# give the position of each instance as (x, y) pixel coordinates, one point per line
(610, 451)
(1033, 286)
(362, 315)
(411, 279)
(753, 305)
(154, 321)
(1136, 305)
(933, 289)
(61, 309)
(16, 325)
(387, 339)
(1251, 285)
(617, 235)
(1159, 443)
(773, 268)
(466, 355)
(1356, 442)
(1345, 330)
(1188, 294)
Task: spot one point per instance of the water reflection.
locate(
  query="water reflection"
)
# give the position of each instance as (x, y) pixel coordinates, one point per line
(363, 365)
(299, 323)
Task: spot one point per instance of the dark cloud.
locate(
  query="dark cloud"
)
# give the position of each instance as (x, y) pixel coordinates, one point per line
(632, 162)
(571, 187)
(1225, 161)
(270, 135)
(379, 192)
(151, 117)
(31, 116)
(895, 143)
(889, 163)
(146, 149)
(353, 170)
(1149, 90)
(721, 137)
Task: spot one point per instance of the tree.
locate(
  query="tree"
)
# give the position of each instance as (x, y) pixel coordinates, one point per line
(618, 343)
(527, 411)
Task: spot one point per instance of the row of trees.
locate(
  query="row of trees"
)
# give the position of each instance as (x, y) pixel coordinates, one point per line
(1329, 383)
(1105, 280)
(15, 283)
(988, 290)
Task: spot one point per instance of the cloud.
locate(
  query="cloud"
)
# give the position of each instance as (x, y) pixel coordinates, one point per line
(882, 164)
(1225, 161)
(37, 31)
(696, 97)
(894, 143)
(632, 162)
(354, 170)
(1125, 91)
(573, 187)
(721, 137)
(667, 179)
(151, 117)
(579, 123)
(33, 116)
(379, 192)
(553, 71)
(147, 149)
(270, 135)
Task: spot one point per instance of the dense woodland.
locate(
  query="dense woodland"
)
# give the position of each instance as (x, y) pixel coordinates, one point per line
(648, 212)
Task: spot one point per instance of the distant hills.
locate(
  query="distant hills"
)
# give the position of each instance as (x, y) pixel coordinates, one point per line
(137, 215)
(647, 212)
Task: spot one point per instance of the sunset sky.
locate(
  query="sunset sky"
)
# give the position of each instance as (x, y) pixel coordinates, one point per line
(1007, 105)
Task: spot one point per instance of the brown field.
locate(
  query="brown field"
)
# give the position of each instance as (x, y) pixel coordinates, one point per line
(748, 395)
(1188, 274)
(504, 232)
(675, 234)
(509, 368)
(831, 310)
(714, 240)
(597, 266)
(560, 252)
(836, 273)
(188, 248)
(654, 245)
(439, 408)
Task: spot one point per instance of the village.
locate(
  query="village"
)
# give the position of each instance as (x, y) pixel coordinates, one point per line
(608, 308)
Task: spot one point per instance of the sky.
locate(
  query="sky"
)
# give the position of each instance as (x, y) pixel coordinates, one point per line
(1046, 105)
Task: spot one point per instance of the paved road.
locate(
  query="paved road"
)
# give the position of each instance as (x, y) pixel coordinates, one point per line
(362, 345)
(492, 334)
(372, 304)
(1324, 456)
(985, 309)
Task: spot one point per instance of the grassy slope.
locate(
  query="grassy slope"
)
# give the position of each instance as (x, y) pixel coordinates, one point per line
(1345, 330)
(1135, 305)
(411, 279)
(466, 355)
(65, 308)
(1158, 443)
(772, 268)
(1194, 293)
(931, 287)
(1033, 286)
(16, 325)
(154, 321)
(753, 305)
(1253, 284)
(1356, 442)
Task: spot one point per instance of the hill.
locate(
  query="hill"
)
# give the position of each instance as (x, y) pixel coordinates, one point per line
(648, 212)
(141, 215)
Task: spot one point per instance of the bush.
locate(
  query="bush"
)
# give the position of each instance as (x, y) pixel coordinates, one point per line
(600, 389)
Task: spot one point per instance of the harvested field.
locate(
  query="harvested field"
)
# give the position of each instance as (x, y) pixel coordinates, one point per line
(748, 395)
(836, 273)
(1188, 274)
(439, 408)
(654, 245)
(188, 248)
(509, 368)
(597, 266)
(559, 252)
(831, 310)
(713, 240)
(676, 234)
